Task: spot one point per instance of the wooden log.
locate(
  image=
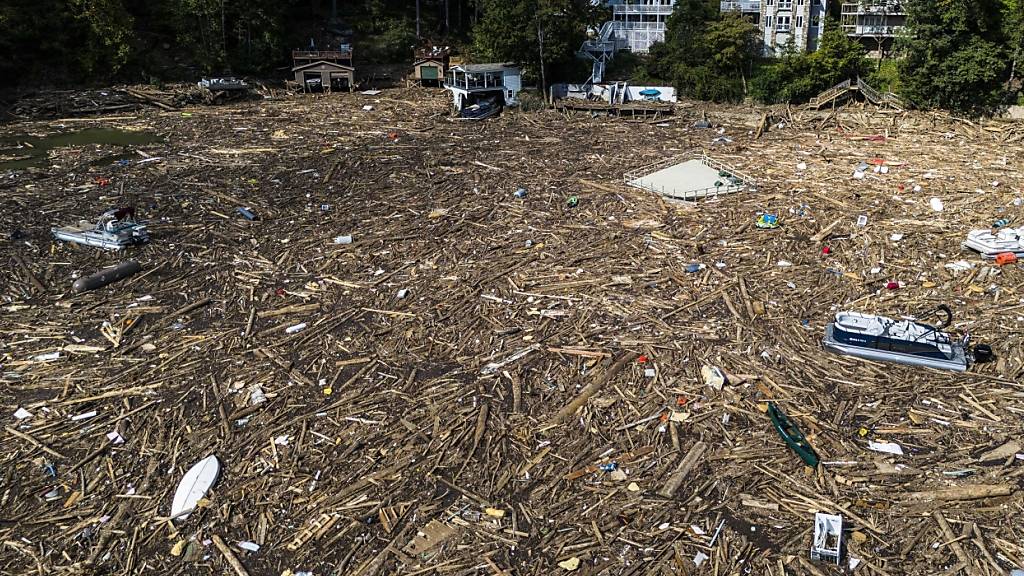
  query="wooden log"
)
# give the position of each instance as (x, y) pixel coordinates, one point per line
(954, 542)
(684, 468)
(229, 556)
(975, 492)
(590, 390)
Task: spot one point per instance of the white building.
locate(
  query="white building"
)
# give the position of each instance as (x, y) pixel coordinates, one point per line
(640, 22)
(801, 22)
(782, 21)
(874, 24)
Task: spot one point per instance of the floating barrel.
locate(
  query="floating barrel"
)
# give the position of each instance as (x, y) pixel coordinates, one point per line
(106, 276)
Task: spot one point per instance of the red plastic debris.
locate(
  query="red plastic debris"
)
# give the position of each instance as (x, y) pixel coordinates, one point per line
(892, 285)
(682, 401)
(101, 181)
(1004, 258)
(642, 359)
(279, 291)
(826, 250)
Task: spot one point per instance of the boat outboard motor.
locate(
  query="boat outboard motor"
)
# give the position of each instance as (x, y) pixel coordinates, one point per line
(983, 353)
(980, 353)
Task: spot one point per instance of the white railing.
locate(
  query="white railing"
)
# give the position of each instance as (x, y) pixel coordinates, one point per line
(861, 30)
(626, 26)
(742, 6)
(891, 9)
(640, 9)
(630, 177)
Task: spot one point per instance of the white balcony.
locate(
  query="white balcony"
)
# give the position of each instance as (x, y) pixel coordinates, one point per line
(878, 8)
(639, 25)
(881, 31)
(741, 6)
(641, 9)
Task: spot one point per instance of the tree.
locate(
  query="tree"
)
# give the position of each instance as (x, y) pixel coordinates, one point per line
(733, 42)
(796, 77)
(705, 53)
(956, 55)
(538, 34)
(1013, 27)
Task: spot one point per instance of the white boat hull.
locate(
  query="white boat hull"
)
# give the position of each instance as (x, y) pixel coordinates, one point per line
(989, 245)
(958, 362)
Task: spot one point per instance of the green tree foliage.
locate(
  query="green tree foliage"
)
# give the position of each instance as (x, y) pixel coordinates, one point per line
(705, 54)
(110, 25)
(797, 76)
(529, 32)
(956, 54)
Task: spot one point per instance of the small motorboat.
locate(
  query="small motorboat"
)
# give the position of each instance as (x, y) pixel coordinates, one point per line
(115, 230)
(990, 244)
(902, 341)
(223, 84)
(479, 111)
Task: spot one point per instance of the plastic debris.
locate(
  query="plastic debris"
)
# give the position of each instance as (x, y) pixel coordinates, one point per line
(22, 414)
(194, 486)
(828, 538)
(250, 546)
(886, 447)
(570, 564)
(713, 376)
(83, 416)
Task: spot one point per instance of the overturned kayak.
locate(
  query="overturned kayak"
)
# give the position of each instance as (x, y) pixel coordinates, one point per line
(115, 230)
(902, 341)
(990, 244)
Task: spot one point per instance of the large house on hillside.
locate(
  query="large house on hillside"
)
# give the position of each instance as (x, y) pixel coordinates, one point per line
(874, 23)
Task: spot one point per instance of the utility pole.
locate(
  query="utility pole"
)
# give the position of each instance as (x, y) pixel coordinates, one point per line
(417, 19)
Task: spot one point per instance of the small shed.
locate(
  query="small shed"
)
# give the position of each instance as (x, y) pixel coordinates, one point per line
(429, 71)
(323, 75)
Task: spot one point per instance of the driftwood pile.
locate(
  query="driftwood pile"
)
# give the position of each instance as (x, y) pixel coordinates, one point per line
(118, 100)
(405, 368)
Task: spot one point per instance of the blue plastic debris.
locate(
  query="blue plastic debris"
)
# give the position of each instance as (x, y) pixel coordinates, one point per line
(247, 214)
(609, 467)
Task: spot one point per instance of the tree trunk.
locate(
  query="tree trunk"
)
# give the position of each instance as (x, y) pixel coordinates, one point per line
(540, 42)
(223, 33)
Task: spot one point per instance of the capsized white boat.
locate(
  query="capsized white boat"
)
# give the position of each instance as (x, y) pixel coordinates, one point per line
(989, 244)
